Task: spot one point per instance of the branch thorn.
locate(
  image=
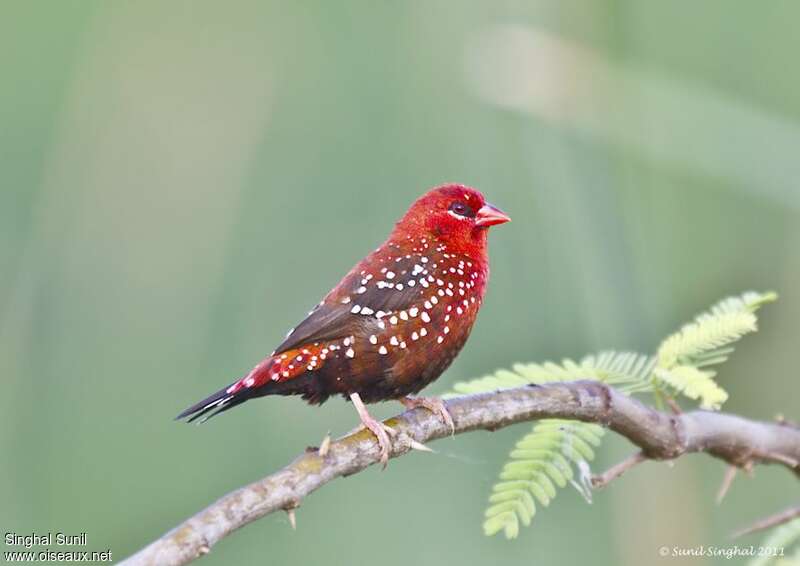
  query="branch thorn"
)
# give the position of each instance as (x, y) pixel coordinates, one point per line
(325, 446)
(727, 480)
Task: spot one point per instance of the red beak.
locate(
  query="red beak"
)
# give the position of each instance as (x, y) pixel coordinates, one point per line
(489, 215)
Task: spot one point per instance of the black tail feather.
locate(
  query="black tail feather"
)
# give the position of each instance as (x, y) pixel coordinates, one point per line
(221, 401)
(217, 403)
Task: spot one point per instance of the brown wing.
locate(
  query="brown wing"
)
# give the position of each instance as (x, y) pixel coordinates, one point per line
(379, 285)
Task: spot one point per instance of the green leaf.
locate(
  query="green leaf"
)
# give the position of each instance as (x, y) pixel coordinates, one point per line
(706, 337)
(695, 384)
(683, 358)
(538, 459)
(627, 370)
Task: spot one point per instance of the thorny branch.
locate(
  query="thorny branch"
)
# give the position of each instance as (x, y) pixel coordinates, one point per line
(768, 522)
(659, 436)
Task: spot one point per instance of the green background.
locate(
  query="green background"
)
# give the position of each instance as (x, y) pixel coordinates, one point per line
(181, 181)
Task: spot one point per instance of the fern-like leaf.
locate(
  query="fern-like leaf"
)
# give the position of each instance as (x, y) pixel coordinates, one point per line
(694, 383)
(711, 331)
(627, 370)
(705, 342)
(547, 457)
(540, 461)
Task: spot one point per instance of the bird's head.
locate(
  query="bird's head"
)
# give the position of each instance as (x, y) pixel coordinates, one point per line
(455, 215)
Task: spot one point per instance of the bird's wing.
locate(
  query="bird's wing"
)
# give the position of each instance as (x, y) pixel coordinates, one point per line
(378, 287)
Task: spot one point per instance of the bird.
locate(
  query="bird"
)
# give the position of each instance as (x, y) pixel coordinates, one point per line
(392, 325)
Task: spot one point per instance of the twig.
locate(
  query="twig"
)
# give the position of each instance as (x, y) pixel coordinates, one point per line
(660, 436)
(768, 522)
(616, 471)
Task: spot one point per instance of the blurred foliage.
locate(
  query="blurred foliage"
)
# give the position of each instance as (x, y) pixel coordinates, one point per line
(778, 546)
(181, 180)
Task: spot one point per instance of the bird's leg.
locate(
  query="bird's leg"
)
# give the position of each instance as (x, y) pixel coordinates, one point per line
(434, 405)
(380, 430)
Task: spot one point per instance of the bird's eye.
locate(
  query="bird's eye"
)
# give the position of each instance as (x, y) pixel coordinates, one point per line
(462, 209)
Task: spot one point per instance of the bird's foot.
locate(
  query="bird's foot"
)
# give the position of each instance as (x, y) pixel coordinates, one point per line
(381, 431)
(434, 405)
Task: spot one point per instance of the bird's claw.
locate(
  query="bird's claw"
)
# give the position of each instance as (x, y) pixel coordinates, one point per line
(382, 432)
(434, 405)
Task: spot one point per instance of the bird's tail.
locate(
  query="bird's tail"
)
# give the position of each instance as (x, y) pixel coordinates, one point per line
(215, 404)
(254, 384)
(286, 374)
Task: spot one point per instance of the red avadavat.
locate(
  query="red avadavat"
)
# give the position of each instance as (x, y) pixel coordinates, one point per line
(393, 324)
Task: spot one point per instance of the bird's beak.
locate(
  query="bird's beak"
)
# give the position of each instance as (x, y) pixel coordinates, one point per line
(489, 215)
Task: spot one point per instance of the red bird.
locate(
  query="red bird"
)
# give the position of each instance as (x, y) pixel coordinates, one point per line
(393, 324)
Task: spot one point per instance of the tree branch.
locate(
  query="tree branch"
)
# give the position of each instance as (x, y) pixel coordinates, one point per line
(616, 471)
(660, 436)
(768, 522)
